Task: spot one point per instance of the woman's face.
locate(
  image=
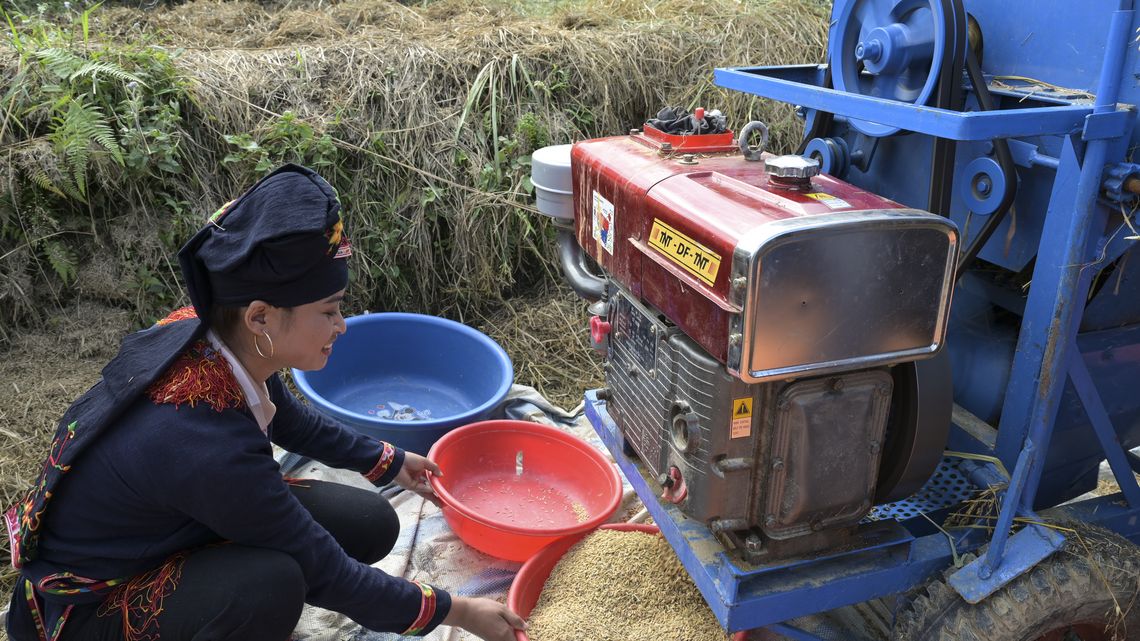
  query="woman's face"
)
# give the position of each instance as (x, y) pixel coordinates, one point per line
(305, 336)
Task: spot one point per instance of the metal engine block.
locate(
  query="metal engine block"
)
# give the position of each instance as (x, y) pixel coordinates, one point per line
(789, 458)
(756, 317)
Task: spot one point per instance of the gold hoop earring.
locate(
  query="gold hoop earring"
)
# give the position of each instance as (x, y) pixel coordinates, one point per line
(272, 349)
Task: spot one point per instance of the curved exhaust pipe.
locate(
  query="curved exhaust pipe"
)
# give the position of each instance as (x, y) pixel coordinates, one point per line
(553, 190)
(575, 269)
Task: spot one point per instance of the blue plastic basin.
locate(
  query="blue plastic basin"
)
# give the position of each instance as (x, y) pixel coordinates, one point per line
(456, 373)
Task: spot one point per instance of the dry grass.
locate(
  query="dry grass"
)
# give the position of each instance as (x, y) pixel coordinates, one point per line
(42, 371)
(548, 339)
(435, 110)
(1108, 486)
(448, 83)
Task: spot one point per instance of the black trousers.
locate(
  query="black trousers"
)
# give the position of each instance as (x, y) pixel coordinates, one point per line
(231, 592)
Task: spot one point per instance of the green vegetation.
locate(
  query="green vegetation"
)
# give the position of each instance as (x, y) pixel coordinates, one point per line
(122, 128)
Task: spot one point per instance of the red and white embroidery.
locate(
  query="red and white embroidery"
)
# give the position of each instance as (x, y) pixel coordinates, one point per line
(427, 609)
(385, 462)
(199, 375)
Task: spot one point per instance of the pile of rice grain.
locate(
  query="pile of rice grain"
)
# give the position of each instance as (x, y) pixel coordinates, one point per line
(621, 586)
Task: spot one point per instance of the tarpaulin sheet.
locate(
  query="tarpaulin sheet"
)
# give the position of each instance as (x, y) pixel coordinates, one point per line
(427, 550)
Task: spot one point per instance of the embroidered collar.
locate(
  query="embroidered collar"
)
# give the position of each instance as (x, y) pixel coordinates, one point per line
(200, 374)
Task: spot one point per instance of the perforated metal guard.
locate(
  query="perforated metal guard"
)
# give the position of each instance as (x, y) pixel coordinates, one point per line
(947, 487)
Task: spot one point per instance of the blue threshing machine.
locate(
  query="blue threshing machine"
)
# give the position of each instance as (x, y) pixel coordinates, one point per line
(781, 346)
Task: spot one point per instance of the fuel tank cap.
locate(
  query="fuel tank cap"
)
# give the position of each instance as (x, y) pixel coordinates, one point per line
(792, 167)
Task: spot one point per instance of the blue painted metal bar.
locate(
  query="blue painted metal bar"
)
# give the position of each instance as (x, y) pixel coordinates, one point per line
(792, 633)
(1009, 507)
(961, 440)
(747, 597)
(798, 85)
(1028, 547)
(1029, 155)
(1067, 242)
(983, 474)
(1119, 36)
(1116, 244)
(1110, 124)
(1031, 382)
(1106, 511)
(1102, 425)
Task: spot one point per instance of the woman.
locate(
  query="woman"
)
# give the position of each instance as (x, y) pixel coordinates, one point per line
(160, 513)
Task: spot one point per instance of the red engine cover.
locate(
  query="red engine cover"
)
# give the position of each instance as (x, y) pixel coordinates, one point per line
(667, 230)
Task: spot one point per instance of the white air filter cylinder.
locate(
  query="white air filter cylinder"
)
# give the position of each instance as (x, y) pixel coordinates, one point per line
(553, 186)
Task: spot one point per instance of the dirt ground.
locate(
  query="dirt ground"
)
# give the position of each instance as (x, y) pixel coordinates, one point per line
(42, 370)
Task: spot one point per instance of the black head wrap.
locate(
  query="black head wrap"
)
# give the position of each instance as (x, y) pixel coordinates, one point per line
(282, 242)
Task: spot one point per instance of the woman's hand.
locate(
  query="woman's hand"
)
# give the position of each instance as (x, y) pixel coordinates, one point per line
(489, 620)
(413, 475)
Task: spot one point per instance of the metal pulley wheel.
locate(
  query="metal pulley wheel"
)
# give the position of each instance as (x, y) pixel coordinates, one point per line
(831, 153)
(982, 186)
(917, 427)
(890, 49)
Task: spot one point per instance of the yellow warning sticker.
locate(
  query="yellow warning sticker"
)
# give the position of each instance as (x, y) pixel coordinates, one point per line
(697, 259)
(832, 202)
(741, 417)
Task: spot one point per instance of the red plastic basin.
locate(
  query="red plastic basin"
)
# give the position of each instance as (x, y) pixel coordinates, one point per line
(565, 487)
(530, 580)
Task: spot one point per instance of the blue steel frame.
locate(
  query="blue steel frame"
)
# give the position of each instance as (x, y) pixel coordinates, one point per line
(1046, 348)
(799, 85)
(744, 598)
(1047, 358)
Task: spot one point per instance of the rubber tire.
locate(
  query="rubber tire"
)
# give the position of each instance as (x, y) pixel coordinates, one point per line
(1064, 588)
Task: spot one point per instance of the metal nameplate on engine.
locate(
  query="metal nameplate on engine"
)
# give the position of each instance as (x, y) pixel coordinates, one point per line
(638, 331)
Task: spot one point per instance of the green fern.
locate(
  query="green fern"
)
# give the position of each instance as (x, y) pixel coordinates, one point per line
(63, 260)
(71, 67)
(93, 69)
(77, 130)
(60, 62)
(43, 181)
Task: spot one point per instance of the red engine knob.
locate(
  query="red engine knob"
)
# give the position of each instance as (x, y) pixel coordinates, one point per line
(599, 328)
(673, 486)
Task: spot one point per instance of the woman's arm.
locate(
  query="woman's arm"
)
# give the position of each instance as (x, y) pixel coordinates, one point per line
(301, 429)
(226, 479)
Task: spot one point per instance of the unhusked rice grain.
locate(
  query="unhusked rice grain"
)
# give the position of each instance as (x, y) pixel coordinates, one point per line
(621, 586)
(580, 512)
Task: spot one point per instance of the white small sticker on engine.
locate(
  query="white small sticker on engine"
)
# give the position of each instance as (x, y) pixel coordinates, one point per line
(604, 222)
(832, 202)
